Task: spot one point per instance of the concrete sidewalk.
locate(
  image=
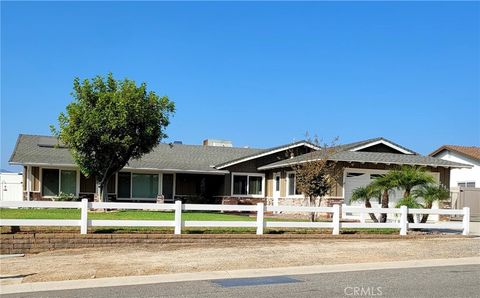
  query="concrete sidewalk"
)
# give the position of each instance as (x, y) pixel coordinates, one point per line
(167, 278)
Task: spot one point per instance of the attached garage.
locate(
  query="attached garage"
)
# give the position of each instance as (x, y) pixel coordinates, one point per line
(357, 177)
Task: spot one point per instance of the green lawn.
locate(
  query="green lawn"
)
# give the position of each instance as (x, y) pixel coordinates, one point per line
(162, 215)
(122, 214)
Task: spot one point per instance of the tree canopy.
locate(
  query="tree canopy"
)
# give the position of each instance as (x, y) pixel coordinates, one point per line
(110, 122)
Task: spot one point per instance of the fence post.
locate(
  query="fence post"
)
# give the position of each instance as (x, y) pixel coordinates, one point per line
(260, 218)
(466, 220)
(362, 216)
(403, 220)
(178, 217)
(336, 219)
(344, 213)
(84, 216)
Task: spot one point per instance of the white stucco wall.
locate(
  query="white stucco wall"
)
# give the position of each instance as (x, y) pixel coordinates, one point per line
(462, 175)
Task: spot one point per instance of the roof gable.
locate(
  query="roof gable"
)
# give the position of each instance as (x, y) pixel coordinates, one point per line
(267, 152)
(468, 151)
(378, 145)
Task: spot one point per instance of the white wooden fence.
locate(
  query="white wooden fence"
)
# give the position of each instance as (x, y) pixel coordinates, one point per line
(260, 224)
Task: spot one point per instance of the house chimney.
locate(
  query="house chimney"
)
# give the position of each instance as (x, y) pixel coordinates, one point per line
(217, 143)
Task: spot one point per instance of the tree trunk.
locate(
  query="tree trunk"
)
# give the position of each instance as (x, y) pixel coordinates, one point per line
(312, 202)
(385, 199)
(406, 194)
(102, 192)
(425, 216)
(372, 215)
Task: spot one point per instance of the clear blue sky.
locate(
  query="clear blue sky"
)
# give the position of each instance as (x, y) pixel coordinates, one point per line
(257, 73)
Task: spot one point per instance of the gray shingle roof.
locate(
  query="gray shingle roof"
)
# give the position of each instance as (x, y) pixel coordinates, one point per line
(370, 157)
(174, 157)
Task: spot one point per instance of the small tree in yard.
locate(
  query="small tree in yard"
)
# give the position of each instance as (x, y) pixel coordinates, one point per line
(431, 193)
(365, 194)
(316, 175)
(110, 122)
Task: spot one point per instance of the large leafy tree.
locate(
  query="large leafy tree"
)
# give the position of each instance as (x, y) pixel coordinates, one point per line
(110, 122)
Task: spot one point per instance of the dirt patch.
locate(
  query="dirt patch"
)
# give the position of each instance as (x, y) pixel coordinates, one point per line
(127, 260)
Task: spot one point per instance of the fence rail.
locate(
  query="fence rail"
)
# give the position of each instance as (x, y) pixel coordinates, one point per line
(260, 224)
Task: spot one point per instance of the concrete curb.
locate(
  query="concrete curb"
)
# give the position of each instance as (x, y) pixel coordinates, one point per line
(194, 276)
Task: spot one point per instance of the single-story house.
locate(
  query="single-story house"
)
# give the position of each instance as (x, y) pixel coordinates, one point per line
(470, 155)
(215, 172)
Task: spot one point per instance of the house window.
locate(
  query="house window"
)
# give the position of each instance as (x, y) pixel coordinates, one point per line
(68, 182)
(144, 186)
(137, 186)
(55, 181)
(248, 184)
(469, 184)
(292, 185)
(50, 181)
(277, 183)
(254, 185)
(124, 186)
(240, 185)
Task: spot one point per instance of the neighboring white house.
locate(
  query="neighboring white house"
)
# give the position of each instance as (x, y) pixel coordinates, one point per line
(461, 177)
(11, 187)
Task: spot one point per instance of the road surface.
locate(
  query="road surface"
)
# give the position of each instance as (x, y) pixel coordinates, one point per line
(448, 281)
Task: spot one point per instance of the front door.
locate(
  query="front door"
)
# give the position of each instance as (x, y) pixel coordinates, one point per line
(167, 187)
(276, 188)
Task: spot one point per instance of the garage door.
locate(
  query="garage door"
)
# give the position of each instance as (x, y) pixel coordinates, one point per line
(359, 178)
(355, 178)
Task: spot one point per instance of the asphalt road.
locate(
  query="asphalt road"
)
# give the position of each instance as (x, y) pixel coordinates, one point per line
(448, 281)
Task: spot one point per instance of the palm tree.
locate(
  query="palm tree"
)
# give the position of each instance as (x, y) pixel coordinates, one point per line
(408, 177)
(431, 193)
(365, 194)
(384, 185)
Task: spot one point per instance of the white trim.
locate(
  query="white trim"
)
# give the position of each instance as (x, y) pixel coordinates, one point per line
(384, 142)
(295, 195)
(29, 179)
(248, 185)
(268, 153)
